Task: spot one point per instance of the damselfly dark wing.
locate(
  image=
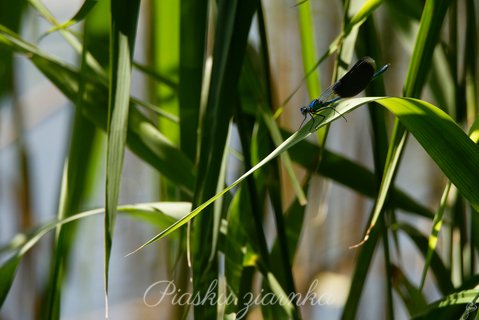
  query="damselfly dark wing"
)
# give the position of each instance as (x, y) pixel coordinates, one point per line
(356, 79)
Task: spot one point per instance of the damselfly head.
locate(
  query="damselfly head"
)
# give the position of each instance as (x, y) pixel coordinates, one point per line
(304, 110)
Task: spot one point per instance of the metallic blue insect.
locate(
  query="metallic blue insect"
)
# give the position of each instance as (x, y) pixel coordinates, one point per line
(352, 83)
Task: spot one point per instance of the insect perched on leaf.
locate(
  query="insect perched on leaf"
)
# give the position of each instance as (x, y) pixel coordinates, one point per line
(352, 83)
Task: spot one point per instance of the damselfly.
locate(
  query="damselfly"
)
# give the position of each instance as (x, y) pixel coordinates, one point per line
(352, 83)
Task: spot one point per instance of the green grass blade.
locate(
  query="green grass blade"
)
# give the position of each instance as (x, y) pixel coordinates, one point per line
(412, 298)
(368, 44)
(453, 306)
(252, 87)
(313, 83)
(364, 12)
(143, 138)
(308, 48)
(438, 268)
(80, 15)
(235, 244)
(257, 187)
(470, 62)
(69, 37)
(452, 150)
(436, 227)
(157, 213)
(240, 254)
(360, 273)
(441, 138)
(9, 268)
(124, 17)
(193, 30)
(10, 17)
(331, 49)
(266, 112)
(359, 18)
(428, 36)
(76, 184)
(446, 143)
(79, 170)
(396, 146)
(165, 55)
(281, 295)
(159, 77)
(438, 218)
(304, 132)
(367, 8)
(294, 217)
(230, 42)
(209, 52)
(353, 176)
(304, 127)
